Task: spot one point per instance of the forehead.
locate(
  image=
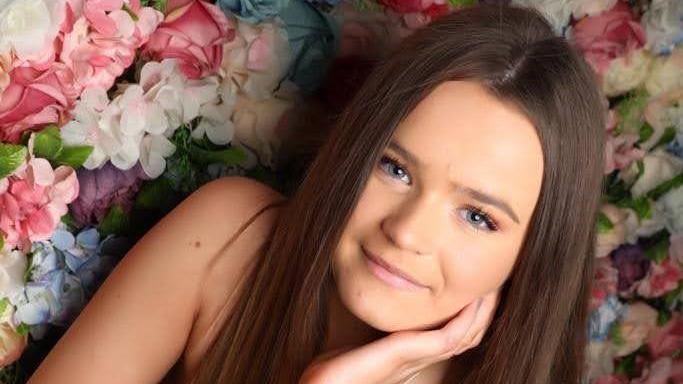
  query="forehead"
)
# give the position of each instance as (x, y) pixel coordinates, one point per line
(463, 132)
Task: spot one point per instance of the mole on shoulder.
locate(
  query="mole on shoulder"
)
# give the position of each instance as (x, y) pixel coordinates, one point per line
(197, 244)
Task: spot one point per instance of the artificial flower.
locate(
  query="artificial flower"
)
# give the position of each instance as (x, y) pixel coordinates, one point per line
(638, 321)
(103, 188)
(35, 98)
(671, 203)
(253, 11)
(662, 278)
(607, 36)
(581, 8)
(102, 43)
(557, 13)
(12, 267)
(35, 200)
(662, 371)
(610, 239)
(193, 34)
(663, 112)
(626, 72)
(659, 166)
(667, 339)
(632, 264)
(665, 74)
(663, 25)
(603, 317)
(12, 344)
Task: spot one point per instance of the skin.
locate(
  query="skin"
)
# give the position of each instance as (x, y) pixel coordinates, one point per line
(414, 218)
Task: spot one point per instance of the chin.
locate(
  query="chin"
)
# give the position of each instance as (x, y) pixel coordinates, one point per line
(386, 313)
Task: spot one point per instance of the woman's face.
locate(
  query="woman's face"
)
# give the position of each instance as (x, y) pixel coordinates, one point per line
(448, 205)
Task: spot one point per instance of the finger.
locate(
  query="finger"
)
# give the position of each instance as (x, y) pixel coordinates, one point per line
(481, 324)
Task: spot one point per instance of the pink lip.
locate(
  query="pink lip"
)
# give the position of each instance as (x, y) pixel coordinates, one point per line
(390, 274)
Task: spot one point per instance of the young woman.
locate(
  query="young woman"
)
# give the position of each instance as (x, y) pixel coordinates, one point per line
(443, 234)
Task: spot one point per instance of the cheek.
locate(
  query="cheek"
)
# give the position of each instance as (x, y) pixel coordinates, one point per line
(478, 269)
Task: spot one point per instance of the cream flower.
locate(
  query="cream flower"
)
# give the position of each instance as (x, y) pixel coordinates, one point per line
(626, 73)
(639, 321)
(660, 166)
(671, 204)
(28, 28)
(665, 74)
(581, 8)
(12, 267)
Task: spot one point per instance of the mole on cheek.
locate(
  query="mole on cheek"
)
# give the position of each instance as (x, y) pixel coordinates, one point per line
(197, 244)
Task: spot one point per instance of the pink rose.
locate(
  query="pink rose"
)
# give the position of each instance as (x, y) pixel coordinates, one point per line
(194, 34)
(35, 98)
(666, 340)
(662, 371)
(34, 201)
(607, 36)
(661, 279)
(407, 6)
(611, 379)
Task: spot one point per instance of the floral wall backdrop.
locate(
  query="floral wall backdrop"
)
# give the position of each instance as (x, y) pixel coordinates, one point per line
(113, 111)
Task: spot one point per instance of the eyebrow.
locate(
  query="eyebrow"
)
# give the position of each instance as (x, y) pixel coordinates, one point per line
(473, 193)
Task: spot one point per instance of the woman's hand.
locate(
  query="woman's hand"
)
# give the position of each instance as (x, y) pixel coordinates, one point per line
(401, 355)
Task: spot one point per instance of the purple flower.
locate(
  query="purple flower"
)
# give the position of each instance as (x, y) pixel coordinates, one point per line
(101, 188)
(632, 264)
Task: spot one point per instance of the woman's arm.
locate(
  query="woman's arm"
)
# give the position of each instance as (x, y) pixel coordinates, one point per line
(137, 324)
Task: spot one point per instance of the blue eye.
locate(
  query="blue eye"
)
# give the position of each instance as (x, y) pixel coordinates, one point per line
(479, 219)
(394, 168)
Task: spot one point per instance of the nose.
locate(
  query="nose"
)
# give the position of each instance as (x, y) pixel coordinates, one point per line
(415, 225)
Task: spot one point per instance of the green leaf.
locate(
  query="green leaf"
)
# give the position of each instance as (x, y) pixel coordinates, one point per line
(11, 157)
(160, 5)
(132, 14)
(630, 111)
(229, 156)
(47, 143)
(3, 305)
(23, 329)
(114, 222)
(646, 132)
(615, 334)
(672, 296)
(2, 241)
(604, 223)
(640, 205)
(663, 317)
(658, 251)
(74, 156)
(153, 194)
(663, 188)
(462, 3)
(627, 365)
(668, 136)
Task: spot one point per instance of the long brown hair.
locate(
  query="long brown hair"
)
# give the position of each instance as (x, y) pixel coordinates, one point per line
(539, 331)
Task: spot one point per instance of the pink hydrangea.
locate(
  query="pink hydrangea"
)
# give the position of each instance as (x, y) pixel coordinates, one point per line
(194, 34)
(609, 35)
(101, 43)
(620, 151)
(33, 200)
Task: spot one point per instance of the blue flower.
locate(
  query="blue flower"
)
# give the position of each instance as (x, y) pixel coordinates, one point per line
(252, 11)
(601, 319)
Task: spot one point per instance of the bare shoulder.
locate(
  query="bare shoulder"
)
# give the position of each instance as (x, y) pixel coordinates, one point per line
(138, 324)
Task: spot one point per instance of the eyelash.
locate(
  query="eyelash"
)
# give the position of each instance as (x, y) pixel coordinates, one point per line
(476, 209)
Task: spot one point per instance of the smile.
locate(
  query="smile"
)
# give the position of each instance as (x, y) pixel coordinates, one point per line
(382, 271)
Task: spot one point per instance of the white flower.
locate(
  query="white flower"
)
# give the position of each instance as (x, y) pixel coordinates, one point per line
(581, 8)
(28, 28)
(663, 22)
(257, 59)
(136, 124)
(665, 74)
(216, 123)
(610, 240)
(638, 322)
(12, 267)
(660, 166)
(626, 73)
(599, 359)
(557, 12)
(154, 150)
(257, 123)
(643, 227)
(662, 112)
(671, 204)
